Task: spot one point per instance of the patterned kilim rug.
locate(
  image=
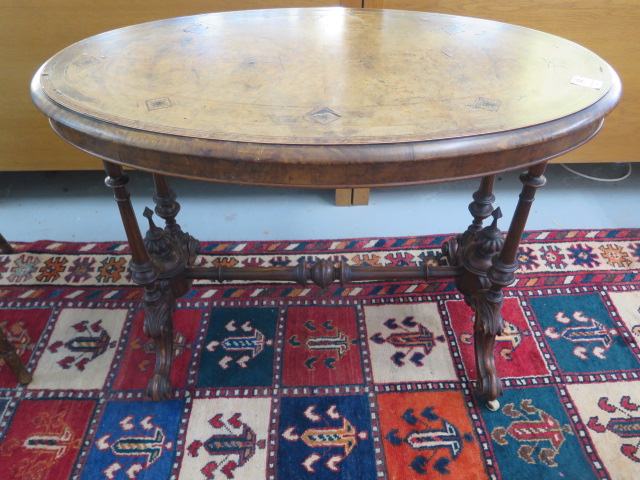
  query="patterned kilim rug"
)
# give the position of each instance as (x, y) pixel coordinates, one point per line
(369, 381)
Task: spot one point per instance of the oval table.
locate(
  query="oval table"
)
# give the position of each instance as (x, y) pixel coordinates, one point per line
(326, 98)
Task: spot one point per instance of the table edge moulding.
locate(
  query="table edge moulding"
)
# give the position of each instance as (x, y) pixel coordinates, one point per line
(375, 98)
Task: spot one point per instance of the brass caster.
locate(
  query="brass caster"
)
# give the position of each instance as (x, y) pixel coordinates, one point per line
(493, 405)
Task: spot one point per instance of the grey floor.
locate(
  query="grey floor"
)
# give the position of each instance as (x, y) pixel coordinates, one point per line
(75, 206)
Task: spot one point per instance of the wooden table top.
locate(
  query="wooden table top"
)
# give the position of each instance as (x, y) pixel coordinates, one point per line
(326, 87)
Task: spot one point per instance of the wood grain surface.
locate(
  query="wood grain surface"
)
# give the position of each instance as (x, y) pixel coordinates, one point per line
(325, 76)
(326, 97)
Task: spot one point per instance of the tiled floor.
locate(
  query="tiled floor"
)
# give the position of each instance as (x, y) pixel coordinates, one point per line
(75, 206)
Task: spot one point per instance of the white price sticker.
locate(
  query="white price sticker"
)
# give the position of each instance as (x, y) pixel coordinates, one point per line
(586, 82)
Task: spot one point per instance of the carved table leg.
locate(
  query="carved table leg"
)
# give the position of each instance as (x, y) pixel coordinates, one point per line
(5, 247)
(500, 275)
(11, 358)
(171, 250)
(158, 299)
(159, 305)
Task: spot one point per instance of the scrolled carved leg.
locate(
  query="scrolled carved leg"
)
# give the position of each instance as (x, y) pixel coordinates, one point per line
(9, 355)
(488, 264)
(486, 301)
(500, 275)
(158, 324)
(473, 251)
(170, 250)
(159, 300)
(488, 324)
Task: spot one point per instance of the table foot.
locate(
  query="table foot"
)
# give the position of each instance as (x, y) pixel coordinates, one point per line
(493, 405)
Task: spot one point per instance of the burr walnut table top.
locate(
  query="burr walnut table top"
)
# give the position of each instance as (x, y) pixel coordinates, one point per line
(326, 97)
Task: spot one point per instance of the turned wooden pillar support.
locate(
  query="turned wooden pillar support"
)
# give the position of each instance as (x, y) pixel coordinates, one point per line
(143, 270)
(167, 207)
(481, 208)
(482, 205)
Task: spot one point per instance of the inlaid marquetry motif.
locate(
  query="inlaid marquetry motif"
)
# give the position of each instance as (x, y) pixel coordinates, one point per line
(323, 116)
(489, 104)
(158, 103)
(86, 62)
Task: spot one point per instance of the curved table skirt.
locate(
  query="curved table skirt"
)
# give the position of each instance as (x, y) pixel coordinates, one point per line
(371, 166)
